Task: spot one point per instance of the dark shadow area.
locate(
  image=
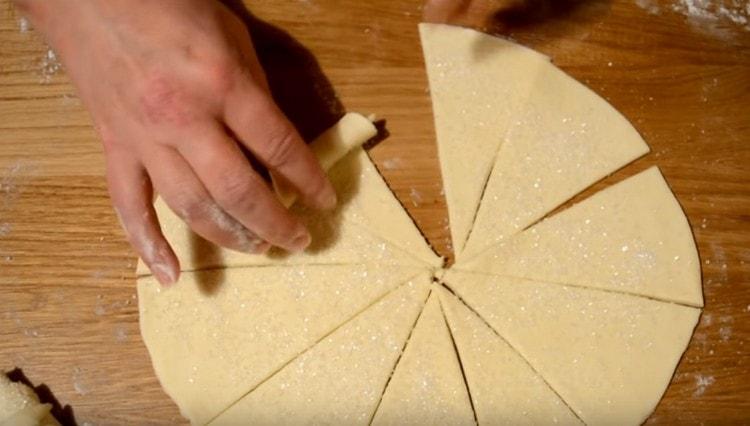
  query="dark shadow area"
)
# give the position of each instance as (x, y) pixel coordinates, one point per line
(297, 83)
(63, 414)
(545, 17)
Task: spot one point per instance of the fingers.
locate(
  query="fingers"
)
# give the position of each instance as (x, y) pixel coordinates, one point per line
(443, 11)
(240, 191)
(184, 193)
(261, 126)
(131, 193)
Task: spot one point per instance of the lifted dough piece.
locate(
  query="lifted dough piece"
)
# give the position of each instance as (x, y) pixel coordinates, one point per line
(219, 333)
(427, 387)
(610, 356)
(340, 379)
(631, 237)
(504, 388)
(335, 240)
(562, 141)
(477, 84)
(368, 201)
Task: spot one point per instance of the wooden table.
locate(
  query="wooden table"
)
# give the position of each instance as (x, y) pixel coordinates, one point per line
(68, 313)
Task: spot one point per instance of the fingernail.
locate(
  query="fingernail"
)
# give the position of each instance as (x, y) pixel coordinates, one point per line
(164, 274)
(301, 242)
(327, 199)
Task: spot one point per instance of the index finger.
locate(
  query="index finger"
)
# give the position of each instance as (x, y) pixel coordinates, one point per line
(260, 125)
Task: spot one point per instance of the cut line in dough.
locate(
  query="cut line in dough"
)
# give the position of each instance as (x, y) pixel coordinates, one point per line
(427, 386)
(632, 237)
(561, 141)
(340, 379)
(218, 333)
(477, 84)
(609, 356)
(504, 388)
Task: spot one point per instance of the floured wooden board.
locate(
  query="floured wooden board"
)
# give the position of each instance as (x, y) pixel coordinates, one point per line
(66, 277)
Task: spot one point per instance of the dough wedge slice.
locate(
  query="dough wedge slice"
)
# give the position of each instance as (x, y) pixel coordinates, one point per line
(477, 84)
(427, 386)
(367, 201)
(341, 379)
(504, 388)
(218, 333)
(561, 141)
(610, 356)
(632, 237)
(337, 239)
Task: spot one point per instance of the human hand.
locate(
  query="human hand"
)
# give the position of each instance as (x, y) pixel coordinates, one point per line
(176, 92)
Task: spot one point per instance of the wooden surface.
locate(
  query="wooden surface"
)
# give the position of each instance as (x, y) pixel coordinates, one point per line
(68, 313)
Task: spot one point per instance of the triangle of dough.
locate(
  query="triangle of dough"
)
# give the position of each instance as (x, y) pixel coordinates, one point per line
(427, 386)
(477, 83)
(562, 141)
(335, 240)
(610, 356)
(631, 237)
(339, 380)
(219, 333)
(504, 388)
(366, 200)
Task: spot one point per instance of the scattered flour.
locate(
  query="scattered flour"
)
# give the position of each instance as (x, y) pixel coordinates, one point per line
(416, 197)
(717, 18)
(701, 383)
(5, 229)
(23, 25)
(79, 384)
(50, 65)
(392, 163)
(651, 6)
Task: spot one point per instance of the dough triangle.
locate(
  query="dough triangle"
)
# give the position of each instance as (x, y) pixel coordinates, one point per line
(504, 388)
(562, 141)
(609, 356)
(366, 200)
(218, 333)
(631, 237)
(427, 386)
(335, 240)
(477, 83)
(340, 379)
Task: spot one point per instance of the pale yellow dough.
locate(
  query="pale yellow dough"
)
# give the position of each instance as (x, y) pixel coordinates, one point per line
(427, 387)
(504, 388)
(368, 225)
(609, 356)
(219, 333)
(20, 406)
(477, 85)
(341, 378)
(581, 318)
(563, 139)
(631, 237)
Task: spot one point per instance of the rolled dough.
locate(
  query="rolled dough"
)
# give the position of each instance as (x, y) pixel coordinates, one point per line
(20, 406)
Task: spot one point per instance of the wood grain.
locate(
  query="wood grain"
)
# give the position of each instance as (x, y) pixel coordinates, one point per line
(68, 314)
